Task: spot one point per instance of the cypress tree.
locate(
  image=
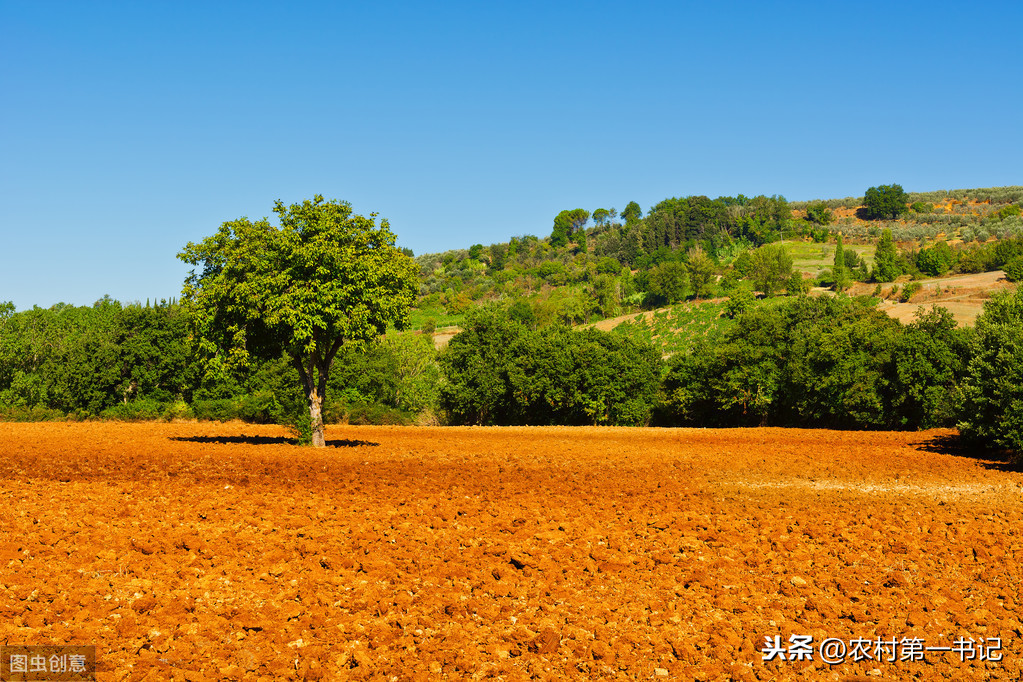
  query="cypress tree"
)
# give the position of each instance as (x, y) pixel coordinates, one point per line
(840, 272)
(886, 259)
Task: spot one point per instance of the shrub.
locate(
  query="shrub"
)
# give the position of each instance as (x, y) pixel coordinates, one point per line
(819, 213)
(135, 410)
(220, 410)
(908, 291)
(24, 413)
(930, 361)
(741, 300)
(178, 410)
(937, 260)
(376, 414)
(992, 393)
(1014, 269)
(1007, 211)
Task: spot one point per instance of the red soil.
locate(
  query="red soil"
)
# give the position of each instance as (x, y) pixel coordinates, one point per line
(208, 551)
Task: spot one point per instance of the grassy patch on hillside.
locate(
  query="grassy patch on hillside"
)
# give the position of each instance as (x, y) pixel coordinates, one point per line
(813, 258)
(441, 318)
(679, 328)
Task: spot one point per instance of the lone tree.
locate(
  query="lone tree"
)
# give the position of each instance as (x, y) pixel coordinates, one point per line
(324, 278)
(885, 202)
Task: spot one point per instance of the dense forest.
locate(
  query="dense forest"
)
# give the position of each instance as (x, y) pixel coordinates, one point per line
(777, 345)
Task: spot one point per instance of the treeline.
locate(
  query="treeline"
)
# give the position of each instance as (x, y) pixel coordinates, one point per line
(833, 362)
(114, 361)
(822, 362)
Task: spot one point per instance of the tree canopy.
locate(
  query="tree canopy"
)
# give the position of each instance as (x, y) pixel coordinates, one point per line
(885, 202)
(323, 278)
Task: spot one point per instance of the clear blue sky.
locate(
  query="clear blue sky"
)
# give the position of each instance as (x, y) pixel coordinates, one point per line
(128, 129)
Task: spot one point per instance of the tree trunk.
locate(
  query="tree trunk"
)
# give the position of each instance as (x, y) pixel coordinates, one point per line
(316, 416)
(315, 387)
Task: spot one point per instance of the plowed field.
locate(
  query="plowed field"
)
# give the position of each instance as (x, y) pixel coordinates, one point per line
(219, 551)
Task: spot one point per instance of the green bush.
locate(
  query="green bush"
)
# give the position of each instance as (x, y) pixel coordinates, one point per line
(1014, 269)
(178, 410)
(819, 213)
(362, 414)
(909, 290)
(810, 362)
(135, 410)
(930, 361)
(936, 260)
(24, 413)
(219, 410)
(500, 372)
(992, 393)
(1009, 211)
(741, 300)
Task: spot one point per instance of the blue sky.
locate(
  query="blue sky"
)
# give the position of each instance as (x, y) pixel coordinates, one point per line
(128, 129)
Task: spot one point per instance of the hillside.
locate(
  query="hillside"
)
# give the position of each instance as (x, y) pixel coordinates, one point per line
(685, 254)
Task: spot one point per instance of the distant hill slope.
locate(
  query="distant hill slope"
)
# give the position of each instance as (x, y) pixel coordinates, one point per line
(605, 273)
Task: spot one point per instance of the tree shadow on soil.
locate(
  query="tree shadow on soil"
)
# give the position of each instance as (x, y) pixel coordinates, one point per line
(957, 446)
(269, 440)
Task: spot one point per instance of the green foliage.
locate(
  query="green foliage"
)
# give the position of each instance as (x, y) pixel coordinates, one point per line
(936, 260)
(797, 285)
(700, 272)
(87, 359)
(25, 413)
(820, 213)
(742, 300)
(500, 372)
(606, 294)
(632, 213)
(668, 282)
(886, 259)
(921, 207)
(362, 414)
(176, 410)
(220, 409)
(839, 272)
(1014, 269)
(909, 290)
(770, 268)
(135, 410)
(1009, 211)
(567, 223)
(680, 328)
(992, 393)
(930, 361)
(885, 202)
(806, 362)
(324, 278)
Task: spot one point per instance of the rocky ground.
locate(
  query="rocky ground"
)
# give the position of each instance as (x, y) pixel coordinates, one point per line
(220, 551)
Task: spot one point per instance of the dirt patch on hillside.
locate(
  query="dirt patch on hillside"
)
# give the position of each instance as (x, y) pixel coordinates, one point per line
(443, 336)
(208, 551)
(963, 295)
